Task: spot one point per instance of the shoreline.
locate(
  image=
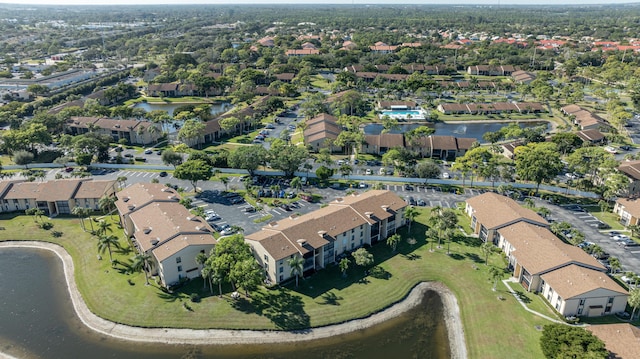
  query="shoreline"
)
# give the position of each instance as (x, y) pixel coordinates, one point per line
(451, 312)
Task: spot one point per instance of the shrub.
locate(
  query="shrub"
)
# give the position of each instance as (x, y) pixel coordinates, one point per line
(195, 298)
(46, 225)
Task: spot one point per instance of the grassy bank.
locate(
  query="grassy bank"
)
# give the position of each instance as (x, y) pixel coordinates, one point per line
(493, 328)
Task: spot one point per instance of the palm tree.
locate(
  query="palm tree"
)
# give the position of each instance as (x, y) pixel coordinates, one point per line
(106, 203)
(122, 181)
(344, 265)
(410, 213)
(614, 264)
(142, 262)
(487, 248)
(103, 228)
(634, 301)
(201, 259)
(495, 273)
(635, 229)
(225, 182)
(105, 242)
(297, 267)
(393, 241)
(82, 213)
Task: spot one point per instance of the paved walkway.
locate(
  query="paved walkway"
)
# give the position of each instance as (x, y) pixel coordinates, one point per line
(515, 295)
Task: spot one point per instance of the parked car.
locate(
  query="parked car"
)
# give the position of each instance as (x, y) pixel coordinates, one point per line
(445, 175)
(250, 209)
(228, 231)
(411, 201)
(368, 171)
(163, 174)
(421, 202)
(236, 200)
(614, 233)
(408, 187)
(68, 169)
(148, 151)
(362, 185)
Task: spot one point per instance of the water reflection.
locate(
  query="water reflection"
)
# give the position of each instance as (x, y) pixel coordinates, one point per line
(37, 321)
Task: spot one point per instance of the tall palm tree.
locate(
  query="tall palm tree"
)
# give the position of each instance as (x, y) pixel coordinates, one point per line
(487, 249)
(410, 213)
(106, 203)
(393, 240)
(103, 228)
(105, 242)
(495, 273)
(142, 262)
(225, 182)
(297, 267)
(78, 211)
(201, 259)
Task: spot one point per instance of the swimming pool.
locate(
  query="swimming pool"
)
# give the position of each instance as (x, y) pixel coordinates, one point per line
(404, 114)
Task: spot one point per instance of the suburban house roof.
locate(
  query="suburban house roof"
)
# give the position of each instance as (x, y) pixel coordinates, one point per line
(287, 76)
(573, 281)
(388, 140)
(630, 168)
(181, 242)
(171, 86)
(55, 190)
(160, 222)
(139, 195)
(94, 189)
(297, 52)
(450, 142)
(631, 205)
(539, 251)
(569, 109)
(622, 340)
(493, 211)
(108, 123)
(590, 135)
(302, 234)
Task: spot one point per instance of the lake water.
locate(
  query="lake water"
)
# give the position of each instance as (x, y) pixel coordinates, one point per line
(471, 129)
(216, 108)
(37, 321)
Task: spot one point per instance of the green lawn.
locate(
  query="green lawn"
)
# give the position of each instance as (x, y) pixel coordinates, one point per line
(609, 218)
(493, 328)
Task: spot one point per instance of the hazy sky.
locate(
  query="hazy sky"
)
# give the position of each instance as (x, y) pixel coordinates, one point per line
(453, 2)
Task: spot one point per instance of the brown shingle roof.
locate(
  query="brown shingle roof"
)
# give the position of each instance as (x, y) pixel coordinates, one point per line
(494, 210)
(539, 251)
(141, 194)
(631, 205)
(162, 221)
(622, 340)
(280, 239)
(181, 242)
(591, 135)
(94, 189)
(631, 168)
(572, 281)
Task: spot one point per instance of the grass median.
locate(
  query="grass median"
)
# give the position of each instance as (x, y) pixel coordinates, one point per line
(494, 328)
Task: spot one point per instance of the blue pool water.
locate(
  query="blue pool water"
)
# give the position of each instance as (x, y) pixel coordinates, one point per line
(413, 113)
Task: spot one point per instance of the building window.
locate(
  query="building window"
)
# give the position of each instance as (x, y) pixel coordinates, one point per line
(361, 226)
(179, 268)
(610, 300)
(353, 237)
(266, 258)
(353, 230)
(281, 278)
(281, 269)
(178, 260)
(579, 311)
(582, 301)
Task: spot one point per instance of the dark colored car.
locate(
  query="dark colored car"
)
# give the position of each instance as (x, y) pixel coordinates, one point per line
(163, 174)
(412, 201)
(236, 200)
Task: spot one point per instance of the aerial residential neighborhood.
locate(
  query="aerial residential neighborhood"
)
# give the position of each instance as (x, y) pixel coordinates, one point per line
(253, 175)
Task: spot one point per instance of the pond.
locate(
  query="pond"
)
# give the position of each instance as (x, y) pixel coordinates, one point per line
(37, 320)
(216, 108)
(470, 129)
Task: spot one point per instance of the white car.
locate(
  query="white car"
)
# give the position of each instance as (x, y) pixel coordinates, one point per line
(228, 231)
(368, 171)
(621, 237)
(362, 185)
(611, 149)
(445, 175)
